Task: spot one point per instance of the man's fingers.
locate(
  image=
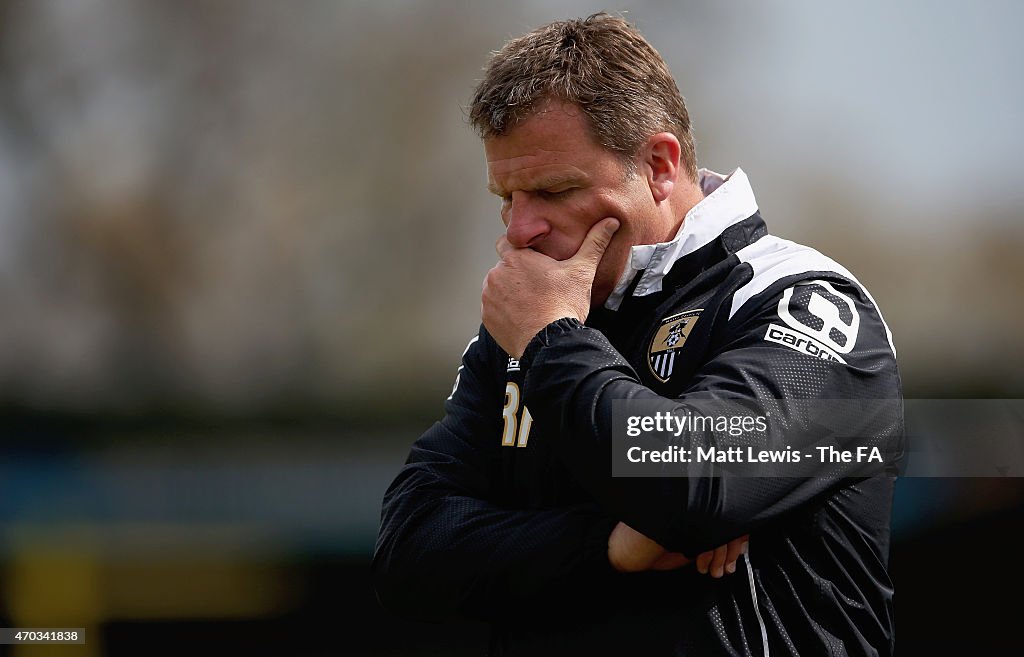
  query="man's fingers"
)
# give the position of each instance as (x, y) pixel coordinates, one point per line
(723, 559)
(736, 547)
(502, 246)
(596, 241)
(718, 563)
(703, 561)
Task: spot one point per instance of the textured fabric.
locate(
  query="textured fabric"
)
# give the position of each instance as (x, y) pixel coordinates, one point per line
(503, 509)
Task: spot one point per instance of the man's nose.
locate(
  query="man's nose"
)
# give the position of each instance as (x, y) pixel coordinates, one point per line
(527, 225)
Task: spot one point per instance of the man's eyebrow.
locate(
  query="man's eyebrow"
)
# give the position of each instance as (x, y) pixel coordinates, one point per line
(541, 183)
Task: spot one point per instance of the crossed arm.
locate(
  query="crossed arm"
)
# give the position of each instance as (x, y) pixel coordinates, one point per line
(560, 289)
(453, 545)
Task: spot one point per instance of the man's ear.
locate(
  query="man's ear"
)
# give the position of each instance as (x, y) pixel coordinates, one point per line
(660, 163)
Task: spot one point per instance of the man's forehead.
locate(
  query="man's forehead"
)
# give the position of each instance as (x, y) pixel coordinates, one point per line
(544, 150)
(552, 127)
(533, 178)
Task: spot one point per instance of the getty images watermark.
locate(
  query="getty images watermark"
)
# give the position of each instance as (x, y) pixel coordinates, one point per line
(818, 438)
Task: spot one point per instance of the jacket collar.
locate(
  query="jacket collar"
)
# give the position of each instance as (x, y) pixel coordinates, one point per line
(727, 201)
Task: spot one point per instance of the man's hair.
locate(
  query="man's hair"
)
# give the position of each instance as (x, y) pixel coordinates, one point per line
(601, 64)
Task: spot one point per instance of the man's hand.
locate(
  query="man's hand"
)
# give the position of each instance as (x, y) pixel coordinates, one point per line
(629, 551)
(527, 290)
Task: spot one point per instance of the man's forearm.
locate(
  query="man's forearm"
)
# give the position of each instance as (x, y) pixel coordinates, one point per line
(573, 375)
(442, 552)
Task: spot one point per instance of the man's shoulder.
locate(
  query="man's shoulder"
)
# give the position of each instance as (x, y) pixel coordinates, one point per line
(798, 287)
(774, 263)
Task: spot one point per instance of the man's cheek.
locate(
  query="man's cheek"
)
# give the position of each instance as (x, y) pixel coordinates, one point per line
(611, 266)
(615, 255)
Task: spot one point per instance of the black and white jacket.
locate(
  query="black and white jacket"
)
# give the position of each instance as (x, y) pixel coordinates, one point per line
(503, 509)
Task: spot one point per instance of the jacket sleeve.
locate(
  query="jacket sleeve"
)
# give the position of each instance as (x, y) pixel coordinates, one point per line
(452, 544)
(574, 374)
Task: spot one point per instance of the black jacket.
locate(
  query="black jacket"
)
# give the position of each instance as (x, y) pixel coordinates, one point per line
(503, 509)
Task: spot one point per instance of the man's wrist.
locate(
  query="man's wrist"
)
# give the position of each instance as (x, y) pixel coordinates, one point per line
(544, 337)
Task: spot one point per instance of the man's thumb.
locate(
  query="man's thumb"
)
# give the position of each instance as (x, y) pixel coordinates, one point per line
(596, 241)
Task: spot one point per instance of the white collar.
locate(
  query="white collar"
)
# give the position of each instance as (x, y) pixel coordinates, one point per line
(727, 200)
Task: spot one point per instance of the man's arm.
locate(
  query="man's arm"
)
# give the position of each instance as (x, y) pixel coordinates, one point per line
(574, 374)
(446, 548)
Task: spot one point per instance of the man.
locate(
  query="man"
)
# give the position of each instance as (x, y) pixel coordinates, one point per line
(627, 274)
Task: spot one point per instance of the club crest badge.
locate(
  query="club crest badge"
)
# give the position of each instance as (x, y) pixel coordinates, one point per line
(668, 340)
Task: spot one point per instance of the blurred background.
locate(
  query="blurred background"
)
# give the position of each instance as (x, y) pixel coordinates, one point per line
(241, 246)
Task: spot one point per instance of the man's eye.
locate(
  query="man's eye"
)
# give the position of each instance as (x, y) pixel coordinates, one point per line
(550, 195)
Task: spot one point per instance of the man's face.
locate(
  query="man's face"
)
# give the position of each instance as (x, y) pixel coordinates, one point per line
(556, 182)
